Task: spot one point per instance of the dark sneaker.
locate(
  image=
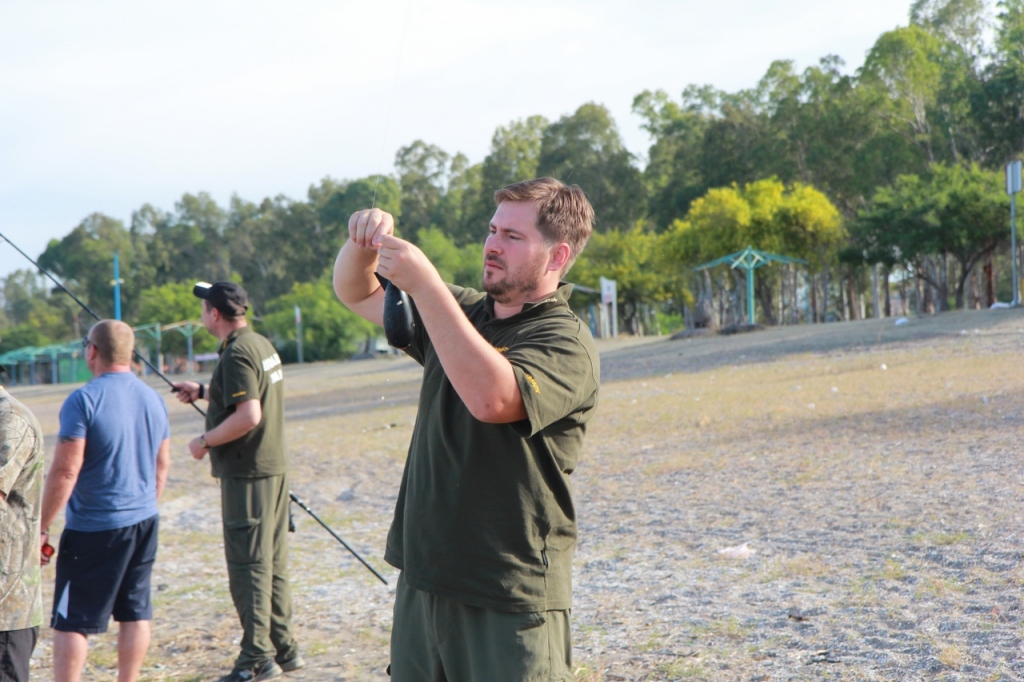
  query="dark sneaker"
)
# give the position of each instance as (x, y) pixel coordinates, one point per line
(266, 670)
(290, 664)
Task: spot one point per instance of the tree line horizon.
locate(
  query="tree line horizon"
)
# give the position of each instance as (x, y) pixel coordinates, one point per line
(887, 176)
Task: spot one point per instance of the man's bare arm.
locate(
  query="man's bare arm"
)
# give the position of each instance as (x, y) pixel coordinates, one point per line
(163, 466)
(60, 482)
(482, 376)
(354, 280)
(245, 418)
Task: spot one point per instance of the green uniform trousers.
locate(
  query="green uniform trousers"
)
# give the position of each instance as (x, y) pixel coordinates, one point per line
(255, 515)
(436, 639)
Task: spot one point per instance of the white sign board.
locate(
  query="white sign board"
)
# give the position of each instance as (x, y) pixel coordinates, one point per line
(608, 294)
(1013, 177)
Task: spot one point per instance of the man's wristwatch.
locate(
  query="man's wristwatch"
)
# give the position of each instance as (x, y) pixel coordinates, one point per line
(202, 441)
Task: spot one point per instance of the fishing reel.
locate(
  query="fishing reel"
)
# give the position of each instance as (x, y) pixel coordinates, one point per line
(399, 324)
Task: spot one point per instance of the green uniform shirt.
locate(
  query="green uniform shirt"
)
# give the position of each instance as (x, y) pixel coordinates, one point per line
(248, 369)
(485, 514)
(21, 482)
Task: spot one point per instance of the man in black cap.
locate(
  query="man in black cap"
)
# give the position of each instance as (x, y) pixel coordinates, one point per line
(245, 438)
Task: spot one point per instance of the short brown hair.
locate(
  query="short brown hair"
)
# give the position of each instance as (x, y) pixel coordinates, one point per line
(114, 341)
(563, 212)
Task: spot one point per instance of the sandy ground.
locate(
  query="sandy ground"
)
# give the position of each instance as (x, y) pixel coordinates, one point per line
(866, 477)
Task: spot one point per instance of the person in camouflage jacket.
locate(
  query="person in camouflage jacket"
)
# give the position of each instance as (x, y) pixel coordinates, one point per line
(21, 489)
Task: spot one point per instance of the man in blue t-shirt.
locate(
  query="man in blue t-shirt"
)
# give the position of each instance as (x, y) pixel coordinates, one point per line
(109, 469)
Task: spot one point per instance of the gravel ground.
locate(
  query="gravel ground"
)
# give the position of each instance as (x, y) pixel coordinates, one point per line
(864, 480)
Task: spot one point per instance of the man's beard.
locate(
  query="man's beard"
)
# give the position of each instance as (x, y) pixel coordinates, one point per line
(526, 280)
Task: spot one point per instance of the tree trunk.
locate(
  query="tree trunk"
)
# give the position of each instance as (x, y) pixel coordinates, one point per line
(813, 293)
(876, 312)
(763, 293)
(888, 302)
(852, 284)
(990, 282)
(824, 293)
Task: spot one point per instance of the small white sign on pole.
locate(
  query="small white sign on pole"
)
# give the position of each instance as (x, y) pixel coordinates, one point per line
(1013, 177)
(608, 293)
(609, 303)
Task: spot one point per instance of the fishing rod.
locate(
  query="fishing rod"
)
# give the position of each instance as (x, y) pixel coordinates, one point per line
(60, 285)
(198, 409)
(337, 537)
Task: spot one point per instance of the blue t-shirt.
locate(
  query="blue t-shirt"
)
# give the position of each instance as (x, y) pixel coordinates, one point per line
(123, 422)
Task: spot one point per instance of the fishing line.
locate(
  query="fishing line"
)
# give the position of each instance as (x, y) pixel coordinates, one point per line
(294, 498)
(60, 285)
(391, 103)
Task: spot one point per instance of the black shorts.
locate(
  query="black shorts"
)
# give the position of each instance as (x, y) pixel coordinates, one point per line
(16, 648)
(102, 574)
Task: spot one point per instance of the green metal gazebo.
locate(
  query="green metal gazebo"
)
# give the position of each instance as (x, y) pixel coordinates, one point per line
(748, 260)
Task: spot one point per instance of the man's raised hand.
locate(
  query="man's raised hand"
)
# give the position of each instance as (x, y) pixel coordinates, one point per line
(366, 227)
(186, 391)
(405, 265)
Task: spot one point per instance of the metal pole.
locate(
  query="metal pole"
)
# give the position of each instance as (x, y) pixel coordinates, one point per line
(750, 296)
(117, 288)
(298, 332)
(1013, 247)
(191, 369)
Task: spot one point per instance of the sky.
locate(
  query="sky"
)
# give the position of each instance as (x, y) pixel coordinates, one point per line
(109, 105)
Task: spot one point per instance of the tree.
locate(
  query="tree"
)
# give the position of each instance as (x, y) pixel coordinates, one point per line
(585, 149)
(335, 202)
(277, 243)
(21, 292)
(513, 157)
(329, 330)
(84, 259)
(999, 102)
(423, 172)
(455, 264)
(170, 303)
(673, 176)
(187, 244)
(628, 257)
(796, 221)
(453, 213)
(905, 66)
(956, 212)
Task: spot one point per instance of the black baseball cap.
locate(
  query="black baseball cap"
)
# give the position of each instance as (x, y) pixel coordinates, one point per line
(227, 297)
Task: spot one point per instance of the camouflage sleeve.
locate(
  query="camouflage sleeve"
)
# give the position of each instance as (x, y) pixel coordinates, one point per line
(17, 445)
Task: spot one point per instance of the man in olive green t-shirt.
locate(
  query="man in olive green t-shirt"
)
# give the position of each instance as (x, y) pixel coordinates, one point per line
(485, 527)
(245, 438)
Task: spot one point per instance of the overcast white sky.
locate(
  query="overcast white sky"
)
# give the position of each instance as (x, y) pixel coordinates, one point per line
(107, 105)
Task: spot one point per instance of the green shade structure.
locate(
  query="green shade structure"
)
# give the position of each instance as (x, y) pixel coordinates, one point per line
(748, 260)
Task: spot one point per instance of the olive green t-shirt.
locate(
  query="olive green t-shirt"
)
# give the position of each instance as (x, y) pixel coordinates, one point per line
(485, 514)
(248, 369)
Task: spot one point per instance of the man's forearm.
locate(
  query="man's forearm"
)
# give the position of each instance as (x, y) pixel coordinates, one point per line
(481, 376)
(56, 493)
(355, 283)
(60, 482)
(163, 467)
(245, 418)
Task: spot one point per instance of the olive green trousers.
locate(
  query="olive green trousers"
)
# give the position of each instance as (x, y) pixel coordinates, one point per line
(436, 639)
(255, 515)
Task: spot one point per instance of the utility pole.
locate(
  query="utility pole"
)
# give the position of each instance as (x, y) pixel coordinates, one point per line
(298, 333)
(117, 282)
(1013, 186)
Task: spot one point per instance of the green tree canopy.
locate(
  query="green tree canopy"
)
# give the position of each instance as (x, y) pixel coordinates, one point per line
(330, 330)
